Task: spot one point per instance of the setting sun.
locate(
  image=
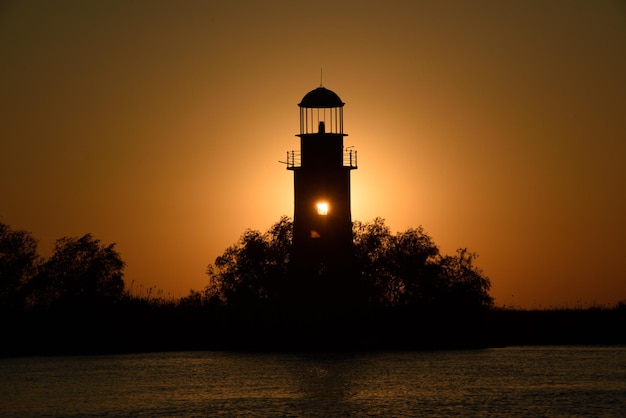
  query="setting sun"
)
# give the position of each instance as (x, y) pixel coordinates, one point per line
(322, 208)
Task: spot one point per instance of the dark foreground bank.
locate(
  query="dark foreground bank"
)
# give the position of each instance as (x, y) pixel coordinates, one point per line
(146, 327)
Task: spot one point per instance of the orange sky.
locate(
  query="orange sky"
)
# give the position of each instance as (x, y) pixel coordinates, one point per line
(496, 125)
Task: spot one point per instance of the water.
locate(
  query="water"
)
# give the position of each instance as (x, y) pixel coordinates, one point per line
(516, 381)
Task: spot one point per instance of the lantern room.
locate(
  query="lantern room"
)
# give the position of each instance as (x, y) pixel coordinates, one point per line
(321, 111)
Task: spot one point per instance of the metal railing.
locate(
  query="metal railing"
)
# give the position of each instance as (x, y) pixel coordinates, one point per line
(349, 158)
(294, 159)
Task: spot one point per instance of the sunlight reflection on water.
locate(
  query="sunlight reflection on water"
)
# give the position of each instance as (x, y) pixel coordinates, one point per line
(517, 381)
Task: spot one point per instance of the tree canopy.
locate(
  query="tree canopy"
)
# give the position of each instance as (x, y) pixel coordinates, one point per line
(81, 270)
(252, 269)
(396, 270)
(18, 263)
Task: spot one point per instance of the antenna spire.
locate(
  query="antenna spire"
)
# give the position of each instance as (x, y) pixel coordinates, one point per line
(321, 77)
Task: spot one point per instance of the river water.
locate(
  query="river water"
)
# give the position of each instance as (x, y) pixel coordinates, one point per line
(511, 382)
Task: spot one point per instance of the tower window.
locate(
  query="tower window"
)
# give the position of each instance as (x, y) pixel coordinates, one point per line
(322, 208)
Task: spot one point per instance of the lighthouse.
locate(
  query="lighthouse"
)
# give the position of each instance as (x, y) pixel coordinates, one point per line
(322, 224)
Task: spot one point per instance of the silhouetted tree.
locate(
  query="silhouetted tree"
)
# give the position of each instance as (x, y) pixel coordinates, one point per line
(373, 241)
(466, 286)
(18, 263)
(81, 271)
(416, 261)
(399, 269)
(254, 268)
(405, 269)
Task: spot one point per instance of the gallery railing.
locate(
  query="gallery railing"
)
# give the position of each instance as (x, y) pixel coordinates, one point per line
(294, 159)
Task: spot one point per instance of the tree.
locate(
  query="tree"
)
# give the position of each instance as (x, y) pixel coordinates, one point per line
(18, 264)
(415, 258)
(372, 244)
(405, 269)
(399, 269)
(80, 271)
(252, 269)
(467, 287)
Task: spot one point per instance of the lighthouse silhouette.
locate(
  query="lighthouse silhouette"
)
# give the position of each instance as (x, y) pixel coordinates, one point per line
(322, 246)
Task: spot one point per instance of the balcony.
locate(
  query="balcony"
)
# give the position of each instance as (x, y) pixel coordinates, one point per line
(349, 159)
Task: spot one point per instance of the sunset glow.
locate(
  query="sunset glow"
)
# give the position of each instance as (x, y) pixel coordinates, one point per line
(159, 125)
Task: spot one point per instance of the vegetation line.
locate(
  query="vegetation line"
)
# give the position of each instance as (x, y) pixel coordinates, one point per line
(399, 293)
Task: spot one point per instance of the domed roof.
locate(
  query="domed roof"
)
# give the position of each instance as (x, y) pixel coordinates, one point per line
(321, 97)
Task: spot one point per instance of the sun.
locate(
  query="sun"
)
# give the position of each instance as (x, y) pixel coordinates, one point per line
(322, 208)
